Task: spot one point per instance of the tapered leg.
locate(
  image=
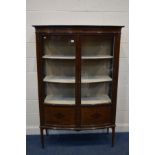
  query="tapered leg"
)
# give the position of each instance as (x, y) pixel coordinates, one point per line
(42, 137)
(113, 136)
(107, 130)
(47, 132)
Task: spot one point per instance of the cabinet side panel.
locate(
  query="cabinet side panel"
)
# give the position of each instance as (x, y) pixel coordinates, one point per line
(115, 74)
(40, 75)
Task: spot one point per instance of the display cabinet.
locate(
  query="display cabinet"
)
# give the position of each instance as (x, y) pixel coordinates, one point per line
(77, 70)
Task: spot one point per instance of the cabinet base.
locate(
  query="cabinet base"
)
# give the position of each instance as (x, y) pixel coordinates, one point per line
(46, 128)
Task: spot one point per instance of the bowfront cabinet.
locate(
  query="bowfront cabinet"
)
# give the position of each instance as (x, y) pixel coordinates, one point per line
(77, 76)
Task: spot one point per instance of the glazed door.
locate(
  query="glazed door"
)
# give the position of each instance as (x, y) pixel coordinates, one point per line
(59, 56)
(96, 78)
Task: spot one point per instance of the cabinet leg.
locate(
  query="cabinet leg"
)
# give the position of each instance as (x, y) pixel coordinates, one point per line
(47, 132)
(113, 136)
(107, 130)
(42, 137)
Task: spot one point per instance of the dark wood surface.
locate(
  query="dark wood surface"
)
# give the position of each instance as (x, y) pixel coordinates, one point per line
(78, 81)
(95, 115)
(77, 117)
(115, 75)
(41, 90)
(59, 116)
(78, 29)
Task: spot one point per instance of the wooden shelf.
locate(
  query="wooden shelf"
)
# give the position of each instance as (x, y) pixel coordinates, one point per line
(93, 79)
(57, 100)
(67, 79)
(73, 57)
(58, 57)
(59, 79)
(98, 57)
(95, 100)
(71, 101)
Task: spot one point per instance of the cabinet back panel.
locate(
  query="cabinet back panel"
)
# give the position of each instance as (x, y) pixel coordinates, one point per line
(96, 67)
(95, 89)
(60, 67)
(96, 45)
(60, 90)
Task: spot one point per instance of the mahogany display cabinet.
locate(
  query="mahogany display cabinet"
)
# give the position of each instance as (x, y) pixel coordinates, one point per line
(77, 70)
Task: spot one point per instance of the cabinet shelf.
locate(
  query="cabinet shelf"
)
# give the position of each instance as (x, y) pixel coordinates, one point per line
(58, 57)
(98, 57)
(59, 79)
(59, 100)
(73, 57)
(93, 79)
(71, 101)
(96, 100)
(67, 79)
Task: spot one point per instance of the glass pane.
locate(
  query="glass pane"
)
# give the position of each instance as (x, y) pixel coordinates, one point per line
(97, 59)
(59, 45)
(59, 69)
(97, 45)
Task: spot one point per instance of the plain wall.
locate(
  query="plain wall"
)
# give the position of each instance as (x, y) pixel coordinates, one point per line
(76, 12)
